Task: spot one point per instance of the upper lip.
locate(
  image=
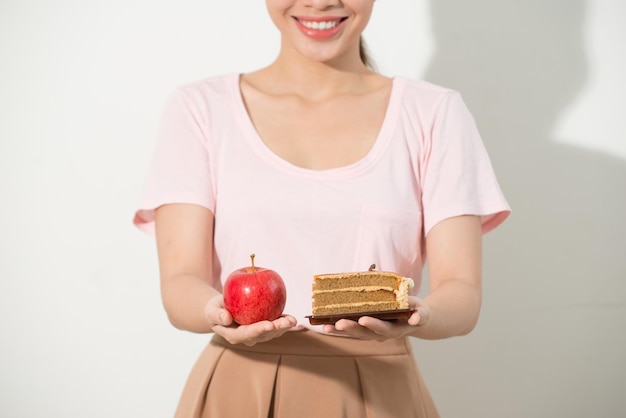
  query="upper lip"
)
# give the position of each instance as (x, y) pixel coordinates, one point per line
(320, 18)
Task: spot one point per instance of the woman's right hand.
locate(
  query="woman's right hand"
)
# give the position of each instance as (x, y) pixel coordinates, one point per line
(222, 323)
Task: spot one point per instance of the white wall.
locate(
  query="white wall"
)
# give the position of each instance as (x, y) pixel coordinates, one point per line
(81, 87)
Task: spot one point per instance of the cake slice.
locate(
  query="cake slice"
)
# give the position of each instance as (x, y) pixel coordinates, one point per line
(365, 291)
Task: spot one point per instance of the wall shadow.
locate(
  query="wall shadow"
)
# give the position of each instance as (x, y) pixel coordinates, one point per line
(551, 334)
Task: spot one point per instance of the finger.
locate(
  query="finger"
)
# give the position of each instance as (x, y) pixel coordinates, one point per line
(354, 329)
(422, 310)
(415, 318)
(414, 301)
(373, 324)
(384, 329)
(225, 317)
(345, 325)
(331, 329)
(216, 315)
(261, 332)
(259, 328)
(246, 334)
(285, 322)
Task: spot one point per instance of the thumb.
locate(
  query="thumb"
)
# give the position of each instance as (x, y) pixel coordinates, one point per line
(215, 313)
(415, 318)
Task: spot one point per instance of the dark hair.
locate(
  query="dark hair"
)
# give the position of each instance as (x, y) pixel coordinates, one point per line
(365, 56)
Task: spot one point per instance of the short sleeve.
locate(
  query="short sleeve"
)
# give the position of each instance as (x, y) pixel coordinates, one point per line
(180, 168)
(457, 175)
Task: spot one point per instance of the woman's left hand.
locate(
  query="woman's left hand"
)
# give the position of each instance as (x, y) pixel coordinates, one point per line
(369, 328)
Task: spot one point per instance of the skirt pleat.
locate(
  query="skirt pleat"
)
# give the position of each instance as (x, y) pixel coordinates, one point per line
(305, 374)
(387, 395)
(318, 387)
(239, 387)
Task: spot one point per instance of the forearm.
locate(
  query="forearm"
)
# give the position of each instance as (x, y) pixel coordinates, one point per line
(185, 299)
(454, 308)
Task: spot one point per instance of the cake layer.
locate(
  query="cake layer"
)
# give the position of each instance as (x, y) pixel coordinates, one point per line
(350, 296)
(365, 278)
(354, 308)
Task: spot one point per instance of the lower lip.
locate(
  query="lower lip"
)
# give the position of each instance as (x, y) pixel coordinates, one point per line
(320, 34)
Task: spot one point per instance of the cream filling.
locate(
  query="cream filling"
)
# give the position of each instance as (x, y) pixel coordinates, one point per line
(356, 289)
(341, 305)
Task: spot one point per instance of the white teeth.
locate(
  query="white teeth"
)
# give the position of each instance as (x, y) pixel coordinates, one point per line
(319, 25)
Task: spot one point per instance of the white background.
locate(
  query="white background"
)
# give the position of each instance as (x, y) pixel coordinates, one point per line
(82, 83)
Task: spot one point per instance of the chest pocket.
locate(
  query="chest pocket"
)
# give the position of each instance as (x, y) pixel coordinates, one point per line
(388, 237)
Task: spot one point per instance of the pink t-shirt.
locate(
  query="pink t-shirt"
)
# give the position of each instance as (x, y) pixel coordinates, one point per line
(427, 164)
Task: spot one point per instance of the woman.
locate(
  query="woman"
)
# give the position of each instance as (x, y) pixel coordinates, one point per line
(317, 164)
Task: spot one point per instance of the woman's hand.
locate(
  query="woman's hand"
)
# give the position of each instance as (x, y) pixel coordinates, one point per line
(454, 249)
(222, 323)
(368, 328)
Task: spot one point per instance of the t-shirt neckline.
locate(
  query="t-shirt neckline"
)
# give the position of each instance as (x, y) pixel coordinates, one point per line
(374, 154)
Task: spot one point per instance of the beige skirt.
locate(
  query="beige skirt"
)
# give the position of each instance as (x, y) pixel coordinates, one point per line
(306, 374)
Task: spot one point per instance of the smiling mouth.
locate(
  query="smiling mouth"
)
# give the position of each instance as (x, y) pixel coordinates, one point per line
(321, 25)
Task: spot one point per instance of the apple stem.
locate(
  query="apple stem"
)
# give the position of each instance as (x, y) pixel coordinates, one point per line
(252, 258)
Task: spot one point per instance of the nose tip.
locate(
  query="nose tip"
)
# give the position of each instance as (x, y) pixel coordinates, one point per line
(323, 4)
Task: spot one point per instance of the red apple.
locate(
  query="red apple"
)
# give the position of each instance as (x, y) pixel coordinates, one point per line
(253, 294)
